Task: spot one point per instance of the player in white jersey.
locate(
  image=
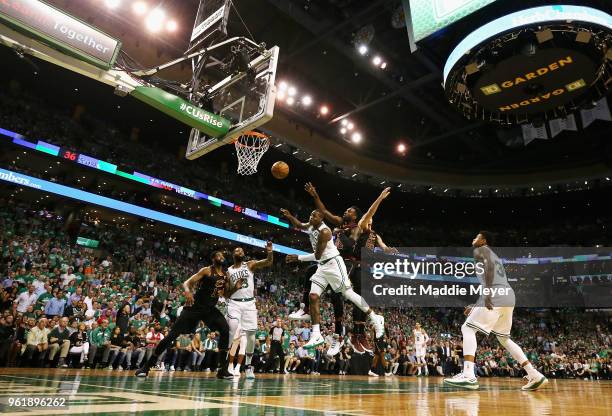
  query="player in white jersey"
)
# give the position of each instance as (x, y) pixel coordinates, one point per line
(491, 314)
(420, 348)
(331, 271)
(241, 308)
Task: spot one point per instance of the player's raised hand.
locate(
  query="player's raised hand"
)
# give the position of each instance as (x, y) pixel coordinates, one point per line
(312, 191)
(291, 258)
(269, 246)
(285, 212)
(385, 193)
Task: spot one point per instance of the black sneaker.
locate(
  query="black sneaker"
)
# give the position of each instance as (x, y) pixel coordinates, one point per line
(224, 374)
(142, 372)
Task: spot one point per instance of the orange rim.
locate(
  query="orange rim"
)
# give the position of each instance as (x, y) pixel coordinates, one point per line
(251, 134)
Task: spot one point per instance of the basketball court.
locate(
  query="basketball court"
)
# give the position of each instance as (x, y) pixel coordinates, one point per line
(188, 393)
(226, 94)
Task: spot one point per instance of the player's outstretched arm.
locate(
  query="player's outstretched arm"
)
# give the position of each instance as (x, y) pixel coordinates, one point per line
(267, 262)
(190, 283)
(294, 221)
(367, 217)
(385, 248)
(312, 191)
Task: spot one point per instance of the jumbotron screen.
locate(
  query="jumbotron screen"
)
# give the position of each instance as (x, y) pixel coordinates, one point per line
(429, 16)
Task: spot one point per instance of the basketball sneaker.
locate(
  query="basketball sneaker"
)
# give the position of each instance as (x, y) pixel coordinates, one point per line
(535, 382)
(372, 374)
(299, 315)
(334, 348)
(142, 372)
(362, 339)
(250, 374)
(224, 374)
(354, 343)
(378, 322)
(463, 381)
(315, 341)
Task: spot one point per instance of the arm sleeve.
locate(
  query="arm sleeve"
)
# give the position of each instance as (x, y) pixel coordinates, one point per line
(307, 257)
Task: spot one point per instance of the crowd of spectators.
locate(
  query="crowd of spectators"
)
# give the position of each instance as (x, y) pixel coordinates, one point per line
(82, 131)
(63, 305)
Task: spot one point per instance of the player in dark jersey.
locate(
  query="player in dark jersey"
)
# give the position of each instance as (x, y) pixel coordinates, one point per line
(350, 235)
(202, 291)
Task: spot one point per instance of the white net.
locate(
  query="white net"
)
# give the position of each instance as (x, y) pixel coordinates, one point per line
(250, 147)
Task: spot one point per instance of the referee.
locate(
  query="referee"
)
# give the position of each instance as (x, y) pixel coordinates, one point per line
(276, 346)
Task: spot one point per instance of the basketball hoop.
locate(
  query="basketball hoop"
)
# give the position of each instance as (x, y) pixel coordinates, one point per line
(250, 147)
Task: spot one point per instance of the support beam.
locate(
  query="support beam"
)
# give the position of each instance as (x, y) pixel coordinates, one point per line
(411, 85)
(310, 24)
(375, 6)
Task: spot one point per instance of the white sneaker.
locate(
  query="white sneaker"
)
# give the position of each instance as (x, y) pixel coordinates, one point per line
(378, 322)
(372, 374)
(463, 381)
(388, 374)
(299, 315)
(172, 368)
(536, 382)
(207, 370)
(250, 375)
(120, 368)
(315, 341)
(109, 368)
(334, 348)
(230, 369)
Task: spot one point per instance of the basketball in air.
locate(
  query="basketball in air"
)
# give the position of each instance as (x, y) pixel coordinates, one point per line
(280, 170)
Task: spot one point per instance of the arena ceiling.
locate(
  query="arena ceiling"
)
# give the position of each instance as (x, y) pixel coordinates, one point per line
(404, 103)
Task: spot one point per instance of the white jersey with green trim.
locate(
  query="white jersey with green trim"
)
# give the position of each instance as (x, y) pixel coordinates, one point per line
(248, 281)
(330, 249)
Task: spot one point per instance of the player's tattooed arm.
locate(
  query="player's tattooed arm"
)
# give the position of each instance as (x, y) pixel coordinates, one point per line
(267, 262)
(189, 284)
(331, 218)
(294, 221)
(324, 236)
(365, 221)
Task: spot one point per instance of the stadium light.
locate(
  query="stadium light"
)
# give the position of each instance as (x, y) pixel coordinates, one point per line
(112, 4)
(155, 20)
(324, 110)
(307, 100)
(343, 130)
(282, 86)
(350, 126)
(280, 95)
(401, 147)
(290, 100)
(344, 122)
(356, 137)
(171, 26)
(140, 8)
(383, 65)
(377, 60)
(362, 49)
(292, 91)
